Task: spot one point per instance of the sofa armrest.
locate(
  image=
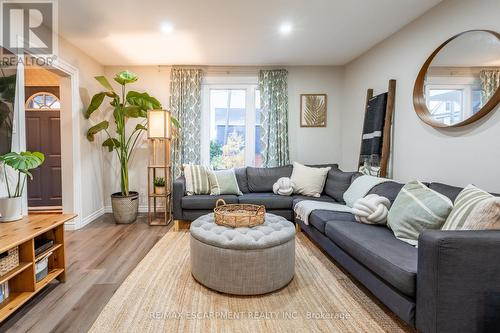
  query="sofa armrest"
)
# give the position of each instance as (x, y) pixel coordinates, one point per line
(178, 192)
(458, 281)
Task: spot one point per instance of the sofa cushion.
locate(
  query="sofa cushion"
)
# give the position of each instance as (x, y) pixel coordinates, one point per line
(319, 218)
(262, 179)
(450, 191)
(298, 198)
(376, 248)
(205, 201)
(337, 182)
(193, 214)
(241, 178)
(333, 166)
(269, 200)
(390, 190)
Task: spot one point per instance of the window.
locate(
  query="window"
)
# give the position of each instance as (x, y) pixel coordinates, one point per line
(231, 123)
(43, 101)
(446, 105)
(453, 99)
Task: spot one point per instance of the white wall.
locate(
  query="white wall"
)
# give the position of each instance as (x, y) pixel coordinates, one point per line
(155, 81)
(90, 153)
(307, 145)
(315, 145)
(460, 156)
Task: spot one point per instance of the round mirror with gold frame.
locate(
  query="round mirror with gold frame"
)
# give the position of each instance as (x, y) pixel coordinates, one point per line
(460, 81)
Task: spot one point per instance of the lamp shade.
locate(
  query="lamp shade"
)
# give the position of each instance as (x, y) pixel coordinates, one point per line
(159, 124)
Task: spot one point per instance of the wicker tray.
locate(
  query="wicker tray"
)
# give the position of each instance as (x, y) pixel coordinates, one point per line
(238, 215)
(9, 260)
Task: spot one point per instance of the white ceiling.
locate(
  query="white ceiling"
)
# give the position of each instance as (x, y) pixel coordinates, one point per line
(232, 32)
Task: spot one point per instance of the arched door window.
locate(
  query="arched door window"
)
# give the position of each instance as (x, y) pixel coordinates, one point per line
(43, 101)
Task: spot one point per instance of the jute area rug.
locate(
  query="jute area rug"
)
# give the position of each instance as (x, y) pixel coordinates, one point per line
(160, 295)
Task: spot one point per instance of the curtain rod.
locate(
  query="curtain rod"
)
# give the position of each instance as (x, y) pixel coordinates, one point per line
(228, 70)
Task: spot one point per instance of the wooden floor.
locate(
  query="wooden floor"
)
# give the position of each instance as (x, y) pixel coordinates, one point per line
(99, 258)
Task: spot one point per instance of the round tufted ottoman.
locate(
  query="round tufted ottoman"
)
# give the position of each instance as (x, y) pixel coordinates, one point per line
(243, 261)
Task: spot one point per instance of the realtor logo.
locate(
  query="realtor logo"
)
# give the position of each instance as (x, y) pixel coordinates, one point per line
(29, 27)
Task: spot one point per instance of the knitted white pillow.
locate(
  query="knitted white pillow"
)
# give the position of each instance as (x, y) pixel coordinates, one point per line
(372, 209)
(308, 181)
(284, 186)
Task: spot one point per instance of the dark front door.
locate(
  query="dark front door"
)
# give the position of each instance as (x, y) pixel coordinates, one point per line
(44, 134)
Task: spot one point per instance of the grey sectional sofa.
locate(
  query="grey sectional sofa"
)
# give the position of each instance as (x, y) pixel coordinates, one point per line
(450, 283)
(256, 184)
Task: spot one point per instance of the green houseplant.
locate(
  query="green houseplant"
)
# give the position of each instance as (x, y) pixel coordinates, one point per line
(125, 105)
(159, 183)
(21, 163)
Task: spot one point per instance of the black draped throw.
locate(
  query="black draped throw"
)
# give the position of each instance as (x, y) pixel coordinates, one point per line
(373, 129)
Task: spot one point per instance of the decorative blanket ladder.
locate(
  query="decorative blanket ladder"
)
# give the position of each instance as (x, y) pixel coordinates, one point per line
(376, 137)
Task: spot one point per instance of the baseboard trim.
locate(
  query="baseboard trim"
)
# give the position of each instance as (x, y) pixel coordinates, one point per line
(80, 223)
(71, 225)
(142, 209)
(92, 217)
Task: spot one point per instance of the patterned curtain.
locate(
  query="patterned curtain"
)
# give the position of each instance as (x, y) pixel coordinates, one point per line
(490, 81)
(273, 88)
(185, 104)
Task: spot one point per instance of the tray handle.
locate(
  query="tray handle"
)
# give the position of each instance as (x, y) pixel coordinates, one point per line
(261, 208)
(219, 202)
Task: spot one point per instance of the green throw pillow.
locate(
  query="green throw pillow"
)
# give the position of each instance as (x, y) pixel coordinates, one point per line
(465, 202)
(415, 209)
(223, 182)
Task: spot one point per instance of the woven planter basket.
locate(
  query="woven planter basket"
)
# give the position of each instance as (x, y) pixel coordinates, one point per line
(238, 215)
(125, 208)
(9, 262)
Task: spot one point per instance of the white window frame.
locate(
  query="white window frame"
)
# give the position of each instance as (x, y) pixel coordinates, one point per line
(465, 83)
(48, 108)
(248, 83)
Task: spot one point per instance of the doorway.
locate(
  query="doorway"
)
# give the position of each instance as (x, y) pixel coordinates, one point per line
(43, 133)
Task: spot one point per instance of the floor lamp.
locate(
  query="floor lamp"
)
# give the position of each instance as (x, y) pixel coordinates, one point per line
(159, 139)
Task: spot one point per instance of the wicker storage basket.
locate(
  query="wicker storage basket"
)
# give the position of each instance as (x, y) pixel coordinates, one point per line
(9, 260)
(238, 215)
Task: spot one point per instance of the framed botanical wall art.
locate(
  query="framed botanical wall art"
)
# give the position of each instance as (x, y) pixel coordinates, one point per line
(313, 110)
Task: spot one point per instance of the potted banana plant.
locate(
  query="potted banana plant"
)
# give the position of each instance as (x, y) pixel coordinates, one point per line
(21, 163)
(126, 106)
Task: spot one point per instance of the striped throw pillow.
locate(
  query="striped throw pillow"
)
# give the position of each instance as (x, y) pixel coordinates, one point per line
(485, 216)
(465, 202)
(197, 181)
(415, 209)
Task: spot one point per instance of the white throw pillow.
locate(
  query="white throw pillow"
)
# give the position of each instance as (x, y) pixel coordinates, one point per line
(308, 181)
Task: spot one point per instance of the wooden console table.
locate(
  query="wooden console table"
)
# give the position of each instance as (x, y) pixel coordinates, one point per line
(22, 282)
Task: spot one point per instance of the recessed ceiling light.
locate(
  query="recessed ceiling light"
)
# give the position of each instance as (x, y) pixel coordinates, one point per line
(286, 28)
(166, 28)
